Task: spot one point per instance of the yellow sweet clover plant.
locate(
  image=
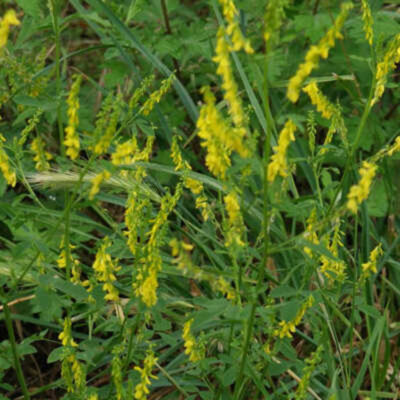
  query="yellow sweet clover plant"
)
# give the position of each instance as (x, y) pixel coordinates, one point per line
(242, 242)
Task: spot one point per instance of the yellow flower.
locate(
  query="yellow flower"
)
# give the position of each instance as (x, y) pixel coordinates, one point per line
(107, 124)
(334, 270)
(359, 193)
(156, 96)
(140, 91)
(321, 50)
(274, 16)
(195, 186)
(278, 163)
(5, 167)
(141, 389)
(235, 138)
(148, 289)
(96, 182)
(105, 270)
(319, 100)
(41, 156)
(9, 19)
(145, 283)
(395, 147)
(235, 229)
(370, 266)
(389, 61)
(310, 234)
(286, 328)
(71, 136)
(194, 350)
(65, 336)
(124, 153)
(368, 21)
(233, 29)
(214, 131)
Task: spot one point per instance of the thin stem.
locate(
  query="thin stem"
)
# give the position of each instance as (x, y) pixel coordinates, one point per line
(262, 265)
(17, 364)
(169, 32)
(56, 28)
(354, 147)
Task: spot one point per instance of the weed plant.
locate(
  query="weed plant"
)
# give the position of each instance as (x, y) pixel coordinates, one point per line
(199, 199)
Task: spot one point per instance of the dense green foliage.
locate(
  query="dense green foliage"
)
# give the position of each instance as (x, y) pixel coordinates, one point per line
(199, 201)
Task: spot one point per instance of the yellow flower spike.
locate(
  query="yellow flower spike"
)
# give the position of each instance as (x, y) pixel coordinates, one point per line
(286, 328)
(233, 139)
(71, 141)
(321, 50)
(319, 100)
(145, 283)
(334, 270)
(124, 153)
(368, 21)
(395, 147)
(310, 234)
(236, 226)
(9, 19)
(215, 132)
(41, 156)
(156, 96)
(370, 266)
(6, 169)
(193, 349)
(389, 61)
(273, 19)
(141, 389)
(195, 186)
(105, 270)
(278, 163)
(233, 29)
(359, 193)
(110, 125)
(65, 336)
(96, 182)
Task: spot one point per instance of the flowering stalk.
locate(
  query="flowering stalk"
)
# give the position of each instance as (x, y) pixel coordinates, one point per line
(71, 141)
(359, 193)
(105, 270)
(278, 164)
(368, 21)
(9, 19)
(6, 169)
(321, 50)
(193, 349)
(142, 388)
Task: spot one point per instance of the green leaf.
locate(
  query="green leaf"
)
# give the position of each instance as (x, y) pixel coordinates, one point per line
(378, 202)
(31, 7)
(55, 355)
(77, 292)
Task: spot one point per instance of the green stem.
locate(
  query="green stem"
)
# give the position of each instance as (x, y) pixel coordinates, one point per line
(56, 28)
(354, 148)
(17, 364)
(262, 265)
